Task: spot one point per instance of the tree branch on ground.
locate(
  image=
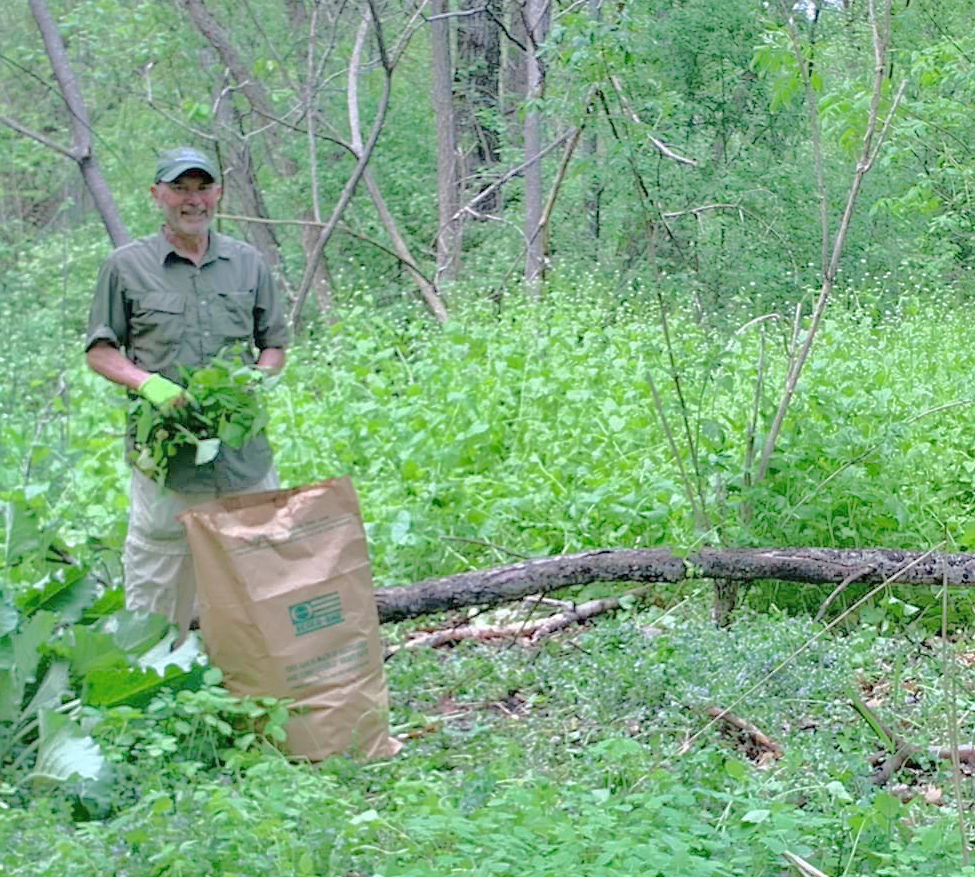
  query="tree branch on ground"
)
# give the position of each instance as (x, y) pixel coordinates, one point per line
(542, 575)
(766, 747)
(527, 632)
(899, 752)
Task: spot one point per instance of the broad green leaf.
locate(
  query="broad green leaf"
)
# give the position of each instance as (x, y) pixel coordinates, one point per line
(162, 655)
(24, 533)
(736, 769)
(144, 423)
(9, 617)
(26, 644)
(111, 601)
(206, 450)
(135, 632)
(66, 751)
(11, 696)
(88, 649)
(132, 686)
(68, 594)
(838, 791)
(967, 537)
(51, 691)
(887, 806)
(400, 531)
(231, 433)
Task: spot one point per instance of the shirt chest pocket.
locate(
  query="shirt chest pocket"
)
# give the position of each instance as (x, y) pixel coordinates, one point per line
(233, 313)
(157, 315)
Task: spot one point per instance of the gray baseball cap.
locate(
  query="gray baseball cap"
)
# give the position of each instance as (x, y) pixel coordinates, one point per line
(174, 162)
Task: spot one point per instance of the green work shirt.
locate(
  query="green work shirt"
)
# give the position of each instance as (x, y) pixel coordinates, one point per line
(165, 311)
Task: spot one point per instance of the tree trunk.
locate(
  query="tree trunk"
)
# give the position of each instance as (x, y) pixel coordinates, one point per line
(535, 12)
(503, 584)
(594, 190)
(249, 85)
(428, 291)
(297, 14)
(449, 230)
(321, 283)
(240, 181)
(80, 151)
(477, 94)
(316, 252)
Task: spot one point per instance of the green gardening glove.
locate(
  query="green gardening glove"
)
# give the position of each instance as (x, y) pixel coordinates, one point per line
(162, 392)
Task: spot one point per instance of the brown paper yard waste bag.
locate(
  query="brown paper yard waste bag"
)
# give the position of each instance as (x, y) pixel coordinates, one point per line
(287, 609)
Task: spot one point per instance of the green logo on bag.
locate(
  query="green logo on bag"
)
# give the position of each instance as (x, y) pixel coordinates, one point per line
(314, 614)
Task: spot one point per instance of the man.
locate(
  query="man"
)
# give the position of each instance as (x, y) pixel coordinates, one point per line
(178, 298)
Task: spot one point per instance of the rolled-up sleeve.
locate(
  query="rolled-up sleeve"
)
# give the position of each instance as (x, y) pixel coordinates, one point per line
(107, 320)
(270, 323)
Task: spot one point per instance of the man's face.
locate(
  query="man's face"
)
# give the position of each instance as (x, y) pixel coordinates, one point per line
(188, 202)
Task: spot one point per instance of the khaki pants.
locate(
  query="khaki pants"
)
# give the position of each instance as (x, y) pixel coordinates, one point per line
(157, 562)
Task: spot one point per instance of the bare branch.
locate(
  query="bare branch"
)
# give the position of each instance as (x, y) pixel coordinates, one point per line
(316, 252)
(553, 194)
(512, 172)
(427, 289)
(81, 151)
(661, 147)
(40, 138)
(881, 38)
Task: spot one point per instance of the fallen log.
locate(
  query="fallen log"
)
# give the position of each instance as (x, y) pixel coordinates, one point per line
(541, 575)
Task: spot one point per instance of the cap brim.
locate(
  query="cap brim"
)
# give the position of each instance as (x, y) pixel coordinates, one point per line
(181, 168)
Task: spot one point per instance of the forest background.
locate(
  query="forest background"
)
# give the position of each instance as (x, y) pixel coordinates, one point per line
(563, 276)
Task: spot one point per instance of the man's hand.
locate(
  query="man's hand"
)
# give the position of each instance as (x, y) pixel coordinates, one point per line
(162, 392)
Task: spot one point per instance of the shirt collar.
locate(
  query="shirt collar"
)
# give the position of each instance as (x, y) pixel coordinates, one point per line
(216, 249)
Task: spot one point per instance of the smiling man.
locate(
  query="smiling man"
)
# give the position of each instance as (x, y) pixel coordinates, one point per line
(178, 298)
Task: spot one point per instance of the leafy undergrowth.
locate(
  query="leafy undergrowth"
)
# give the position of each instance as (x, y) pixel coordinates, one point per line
(592, 753)
(527, 431)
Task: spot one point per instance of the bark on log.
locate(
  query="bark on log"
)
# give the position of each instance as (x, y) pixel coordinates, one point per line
(503, 584)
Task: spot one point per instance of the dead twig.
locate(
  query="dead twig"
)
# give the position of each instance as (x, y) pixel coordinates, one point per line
(841, 587)
(803, 866)
(758, 738)
(528, 632)
(897, 751)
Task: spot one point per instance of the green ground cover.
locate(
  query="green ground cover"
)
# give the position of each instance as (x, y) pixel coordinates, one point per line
(527, 430)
